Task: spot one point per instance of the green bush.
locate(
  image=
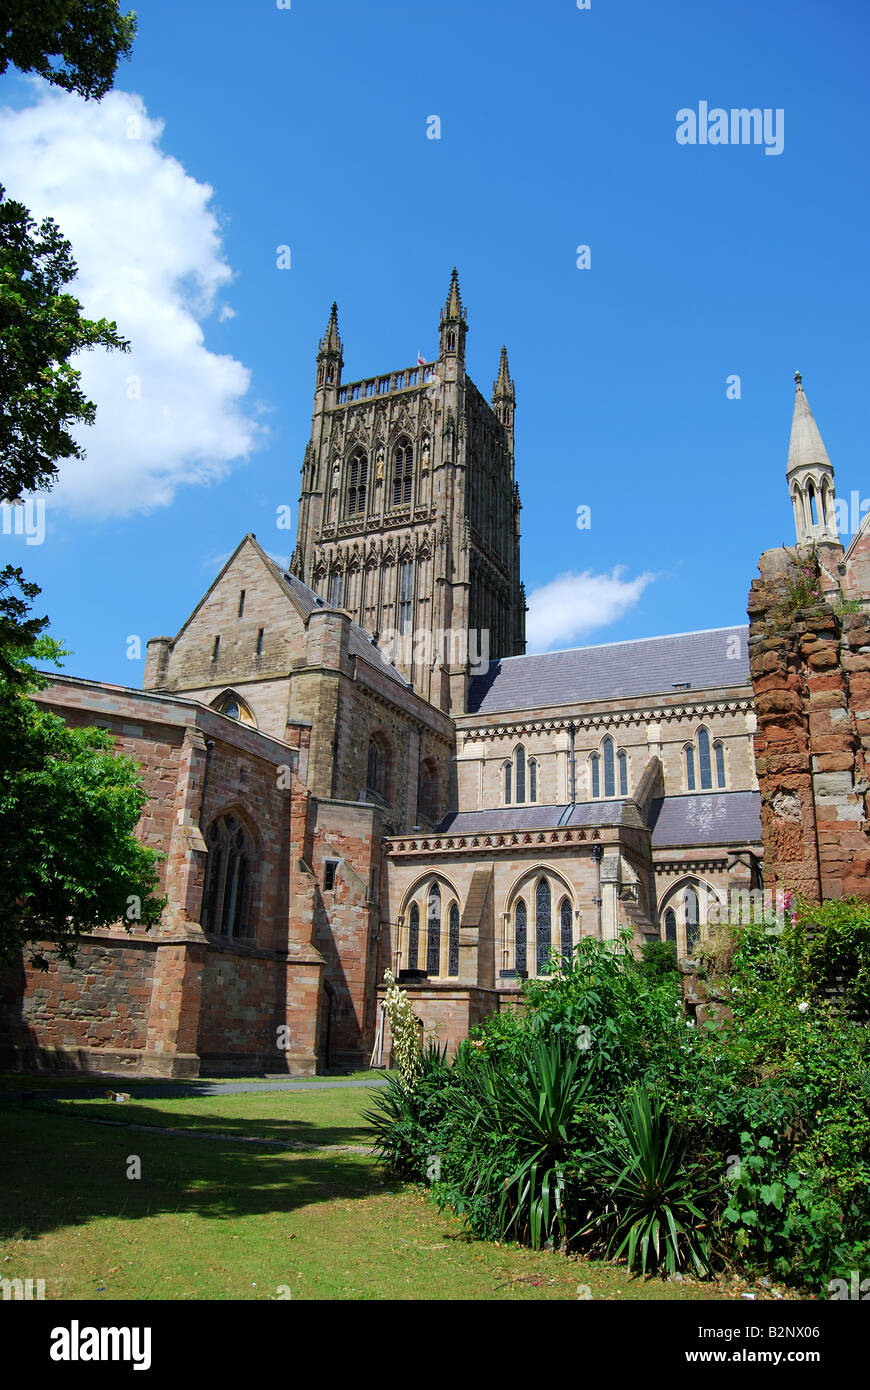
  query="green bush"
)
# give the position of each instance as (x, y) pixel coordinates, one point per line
(599, 1117)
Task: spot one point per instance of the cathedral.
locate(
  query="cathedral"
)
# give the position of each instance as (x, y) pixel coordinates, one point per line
(352, 766)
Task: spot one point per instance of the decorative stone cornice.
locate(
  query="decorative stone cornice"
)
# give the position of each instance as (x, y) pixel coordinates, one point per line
(523, 725)
(501, 839)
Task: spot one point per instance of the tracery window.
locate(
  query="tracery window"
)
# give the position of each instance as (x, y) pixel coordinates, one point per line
(566, 942)
(357, 478)
(413, 936)
(433, 932)
(543, 924)
(615, 769)
(453, 941)
(701, 758)
(226, 906)
(403, 473)
(520, 936)
(406, 592)
(520, 778)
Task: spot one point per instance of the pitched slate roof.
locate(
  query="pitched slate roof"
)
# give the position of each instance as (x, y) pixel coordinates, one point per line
(503, 818)
(706, 818)
(647, 666)
(359, 642)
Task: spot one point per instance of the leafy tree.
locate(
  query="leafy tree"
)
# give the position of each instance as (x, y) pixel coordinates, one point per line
(41, 327)
(74, 44)
(69, 861)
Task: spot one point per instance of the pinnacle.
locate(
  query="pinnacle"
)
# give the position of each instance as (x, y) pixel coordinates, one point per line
(453, 308)
(331, 341)
(503, 385)
(805, 447)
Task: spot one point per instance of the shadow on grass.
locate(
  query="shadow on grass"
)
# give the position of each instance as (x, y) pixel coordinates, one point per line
(59, 1173)
(192, 1119)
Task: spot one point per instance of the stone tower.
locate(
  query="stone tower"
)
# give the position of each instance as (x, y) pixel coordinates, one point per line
(409, 512)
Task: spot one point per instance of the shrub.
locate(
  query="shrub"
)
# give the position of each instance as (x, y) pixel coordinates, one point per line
(651, 1207)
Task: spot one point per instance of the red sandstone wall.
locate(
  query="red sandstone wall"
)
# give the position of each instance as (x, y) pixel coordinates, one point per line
(810, 672)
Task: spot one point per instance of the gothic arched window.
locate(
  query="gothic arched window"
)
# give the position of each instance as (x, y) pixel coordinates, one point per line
(690, 767)
(377, 768)
(226, 906)
(413, 936)
(336, 588)
(403, 473)
(357, 478)
(453, 941)
(428, 791)
(406, 591)
(433, 932)
(594, 763)
(567, 943)
(543, 940)
(521, 773)
(671, 926)
(520, 941)
(533, 780)
(719, 751)
(704, 770)
(609, 781)
(507, 783)
(622, 764)
(693, 918)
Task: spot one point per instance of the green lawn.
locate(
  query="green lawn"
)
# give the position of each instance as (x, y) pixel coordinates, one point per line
(215, 1219)
(61, 1081)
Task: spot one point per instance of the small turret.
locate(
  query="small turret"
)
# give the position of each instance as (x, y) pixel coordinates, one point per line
(503, 395)
(810, 476)
(453, 326)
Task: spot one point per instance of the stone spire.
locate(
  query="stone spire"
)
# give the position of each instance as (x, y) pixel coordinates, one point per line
(810, 475)
(503, 396)
(330, 343)
(453, 325)
(453, 308)
(503, 387)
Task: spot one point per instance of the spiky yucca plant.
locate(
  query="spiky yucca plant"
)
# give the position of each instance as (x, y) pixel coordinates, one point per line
(653, 1203)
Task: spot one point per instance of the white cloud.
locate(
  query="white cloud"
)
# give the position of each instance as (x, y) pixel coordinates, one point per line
(148, 248)
(572, 605)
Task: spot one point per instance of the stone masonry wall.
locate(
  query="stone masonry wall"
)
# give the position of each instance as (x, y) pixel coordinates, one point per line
(810, 671)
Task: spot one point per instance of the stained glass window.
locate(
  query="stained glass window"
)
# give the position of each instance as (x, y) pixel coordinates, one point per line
(622, 763)
(521, 774)
(413, 936)
(567, 944)
(453, 941)
(520, 955)
(609, 782)
(704, 760)
(690, 768)
(433, 934)
(543, 941)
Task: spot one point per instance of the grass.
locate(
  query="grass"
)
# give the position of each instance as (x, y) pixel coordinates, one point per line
(61, 1081)
(217, 1219)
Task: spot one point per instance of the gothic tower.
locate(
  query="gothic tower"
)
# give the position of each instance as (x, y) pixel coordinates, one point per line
(409, 512)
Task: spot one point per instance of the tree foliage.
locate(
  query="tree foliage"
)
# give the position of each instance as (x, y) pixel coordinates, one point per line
(69, 861)
(41, 327)
(74, 44)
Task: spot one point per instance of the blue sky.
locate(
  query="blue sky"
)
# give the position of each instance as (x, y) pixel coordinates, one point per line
(307, 128)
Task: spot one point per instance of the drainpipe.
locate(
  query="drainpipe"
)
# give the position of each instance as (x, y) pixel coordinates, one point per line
(598, 855)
